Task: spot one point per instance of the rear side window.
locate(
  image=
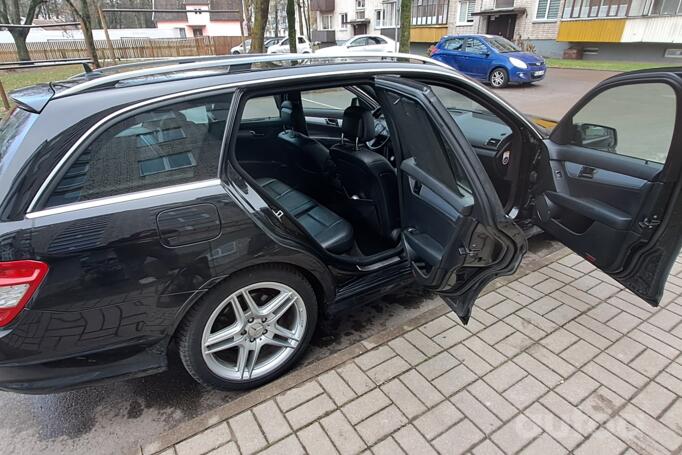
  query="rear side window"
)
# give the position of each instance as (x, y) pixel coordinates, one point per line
(170, 145)
(454, 44)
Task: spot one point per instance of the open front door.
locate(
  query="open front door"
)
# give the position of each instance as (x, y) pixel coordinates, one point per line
(453, 226)
(609, 183)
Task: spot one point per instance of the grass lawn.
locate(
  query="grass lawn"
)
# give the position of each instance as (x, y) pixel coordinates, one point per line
(15, 79)
(605, 65)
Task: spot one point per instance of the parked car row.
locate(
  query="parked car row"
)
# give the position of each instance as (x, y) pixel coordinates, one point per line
(488, 58)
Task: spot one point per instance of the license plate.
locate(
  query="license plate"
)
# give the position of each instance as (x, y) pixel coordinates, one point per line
(538, 73)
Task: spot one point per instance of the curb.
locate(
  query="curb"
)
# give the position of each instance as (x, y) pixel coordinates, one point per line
(296, 377)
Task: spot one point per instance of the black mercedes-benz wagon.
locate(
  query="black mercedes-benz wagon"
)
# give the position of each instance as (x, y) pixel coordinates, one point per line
(225, 205)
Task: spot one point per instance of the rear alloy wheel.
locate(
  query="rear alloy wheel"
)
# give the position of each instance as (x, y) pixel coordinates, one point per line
(250, 330)
(499, 78)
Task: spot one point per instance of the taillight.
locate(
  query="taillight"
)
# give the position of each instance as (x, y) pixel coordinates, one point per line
(18, 281)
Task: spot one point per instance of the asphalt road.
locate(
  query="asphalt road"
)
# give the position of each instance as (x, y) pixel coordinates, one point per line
(113, 418)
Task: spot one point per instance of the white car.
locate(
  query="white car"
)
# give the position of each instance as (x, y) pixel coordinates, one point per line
(303, 46)
(242, 48)
(362, 43)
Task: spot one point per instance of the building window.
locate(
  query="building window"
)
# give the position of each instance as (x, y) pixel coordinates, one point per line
(344, 21)
(466, 10)
(666, 7)
(386, 16)
(360, 14)
(359, 4)
(579, 9)
(327, 22)
(430, 12)
(182, 33)
(548, 9)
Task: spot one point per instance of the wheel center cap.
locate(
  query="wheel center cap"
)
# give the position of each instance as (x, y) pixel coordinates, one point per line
(255, 329)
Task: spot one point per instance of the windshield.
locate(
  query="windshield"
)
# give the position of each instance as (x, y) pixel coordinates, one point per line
(341, 42)
(502, 44)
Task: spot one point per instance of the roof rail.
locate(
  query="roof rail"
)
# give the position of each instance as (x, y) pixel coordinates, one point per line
(203, 63)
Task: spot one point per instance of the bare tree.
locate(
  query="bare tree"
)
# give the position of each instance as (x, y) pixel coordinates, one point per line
(291, 24)
(11, 14)
(405, 25)
(83, 15)
(260, 20)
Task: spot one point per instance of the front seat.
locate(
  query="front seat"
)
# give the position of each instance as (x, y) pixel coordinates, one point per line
(366, 176)
(309, 159)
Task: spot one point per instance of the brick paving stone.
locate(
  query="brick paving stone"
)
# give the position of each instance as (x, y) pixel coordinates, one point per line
(365, 406)
(601, 404)
(559, 340)
(516, 296)
(554, 426)
(355, 378)
(504, 308)
(665, 319)
(551, 360)
(472, 360)
(231, 448)
(625, 349)
(294, 397)
(624, 322)
(588, 335)
(603, 291)
(654, 399)
(521, 325)
(205, 441)
(505, 376)
(488, 300)
(422, 388)
(621, 370)
(525, 392)
(496, 332)
(342, 434)
(381, 424)
(459, 438)
(549, 285)
(492, 400)
(579, 353)
(246, 432)
(601, 441)
(387, 447)
(525, 289)
(454, 380)
(486, 447)
(533, 278)
(407, 351)
(315, 440)
(388, 370)
(603, 312)
(437, 365)
(655, 344)
(271, 420)
(289, 446)
(610, 380)
(585, 283)
(438, 419)
(513, 344)
(670, 382)
(544, 305)
(516, 433)
(599, 327)
(652, 427)
(413, 442)
(336, 387)
(634, 437)
(486, 319)
(540, 322)
(438, 325)
(673, 416)
(484, 350)
(400, 395)
(537, 370)
(374, 357)
(310, 411)
(451, 337)
(544, 445)
(423, 343)
(571, 301)
(649, 363)
(573, 416)
(476, 412)
(562, 314)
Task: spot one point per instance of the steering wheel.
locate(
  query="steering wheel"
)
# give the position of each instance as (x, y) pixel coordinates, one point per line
(503, 156)
(380, 139)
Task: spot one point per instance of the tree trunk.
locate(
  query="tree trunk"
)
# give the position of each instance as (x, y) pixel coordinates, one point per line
(86, 26)
(291, 24)
(19, 37)
(260, 11)
(405, 25)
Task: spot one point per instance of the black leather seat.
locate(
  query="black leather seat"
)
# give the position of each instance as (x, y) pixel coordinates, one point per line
(310, 158)
(330, 230)
(366, 176)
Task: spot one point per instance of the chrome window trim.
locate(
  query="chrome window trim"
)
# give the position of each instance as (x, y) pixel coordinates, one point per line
(124, 198)
(217, 88)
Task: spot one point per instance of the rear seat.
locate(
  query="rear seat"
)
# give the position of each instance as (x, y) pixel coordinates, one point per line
(330, 230)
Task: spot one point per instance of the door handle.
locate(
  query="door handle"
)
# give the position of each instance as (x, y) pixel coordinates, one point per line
(331, 121)
(587, 172)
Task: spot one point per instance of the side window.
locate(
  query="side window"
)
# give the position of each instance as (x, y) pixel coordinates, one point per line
(475, 46)
(430, 151)
(636, 120)
(301, 40)
(359, 42)
(337, 98)
(260, 108)
(170, 145)
(454, 44)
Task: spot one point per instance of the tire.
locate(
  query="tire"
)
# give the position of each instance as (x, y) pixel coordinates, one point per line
(499, 78)
(277, 339)
(236, 53)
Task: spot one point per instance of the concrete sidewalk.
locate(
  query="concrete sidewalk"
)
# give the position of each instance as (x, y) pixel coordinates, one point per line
(560, 359)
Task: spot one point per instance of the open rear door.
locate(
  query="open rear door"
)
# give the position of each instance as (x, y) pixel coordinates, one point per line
(453, 226)
(609, 180)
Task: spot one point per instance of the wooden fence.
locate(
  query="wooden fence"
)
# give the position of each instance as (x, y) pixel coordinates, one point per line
(125, 48)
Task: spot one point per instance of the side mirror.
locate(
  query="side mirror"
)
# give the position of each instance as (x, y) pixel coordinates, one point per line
(598, 137)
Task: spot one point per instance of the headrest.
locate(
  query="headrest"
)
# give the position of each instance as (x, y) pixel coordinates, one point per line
(358, 123)
(292, 118)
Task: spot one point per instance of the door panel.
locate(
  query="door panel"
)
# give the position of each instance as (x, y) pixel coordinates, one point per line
(609, 183)
(453, 226)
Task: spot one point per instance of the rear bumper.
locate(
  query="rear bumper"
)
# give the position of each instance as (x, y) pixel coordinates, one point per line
(83, 370)
(532, 74)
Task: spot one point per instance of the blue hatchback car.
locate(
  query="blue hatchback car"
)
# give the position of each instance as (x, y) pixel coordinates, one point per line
(490, 58)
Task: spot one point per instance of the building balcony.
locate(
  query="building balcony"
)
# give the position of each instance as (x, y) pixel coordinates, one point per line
(324, 6)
